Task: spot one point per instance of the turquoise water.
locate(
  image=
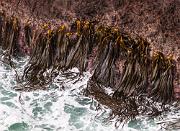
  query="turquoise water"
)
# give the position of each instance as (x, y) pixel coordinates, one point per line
(58, 109)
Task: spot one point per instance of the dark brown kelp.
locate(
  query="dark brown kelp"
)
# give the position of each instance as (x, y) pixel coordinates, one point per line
(124, 109)
(118, 61)
(42, 57)
(28, 34)
(9, 34)
(162, 78)
(107, 53)
(80, 45)
(59, 49)
(134, 79)
(2, 20)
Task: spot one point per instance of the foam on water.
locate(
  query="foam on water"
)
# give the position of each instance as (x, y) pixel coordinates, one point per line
(56, 109)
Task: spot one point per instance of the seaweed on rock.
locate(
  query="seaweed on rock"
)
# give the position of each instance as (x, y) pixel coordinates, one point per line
(2, 20)
(28, 34)
(162, 78)
(107, 53)
(42, 57)
(10, 35)
(60, 49)
(134, 79)
(80, 46)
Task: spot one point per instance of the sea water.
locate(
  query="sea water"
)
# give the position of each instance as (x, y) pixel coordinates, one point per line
(59, 109)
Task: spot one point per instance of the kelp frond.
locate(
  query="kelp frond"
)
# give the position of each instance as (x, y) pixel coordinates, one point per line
(28, 34)
(107, 53)
(135, 73)
(9, 34)
(60, 49)
(162, 78)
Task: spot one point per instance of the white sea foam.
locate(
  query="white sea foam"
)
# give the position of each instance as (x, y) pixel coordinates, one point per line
(56, 109)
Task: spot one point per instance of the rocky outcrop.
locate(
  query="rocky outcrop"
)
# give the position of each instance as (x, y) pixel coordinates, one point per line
(130, 46)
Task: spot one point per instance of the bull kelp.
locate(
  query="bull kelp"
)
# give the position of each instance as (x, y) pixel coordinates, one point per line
(117, 60)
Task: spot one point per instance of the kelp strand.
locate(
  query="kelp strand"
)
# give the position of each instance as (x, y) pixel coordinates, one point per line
(162, 78)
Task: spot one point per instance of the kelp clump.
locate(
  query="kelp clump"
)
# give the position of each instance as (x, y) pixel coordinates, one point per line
(118, 61)
(134, 80)
(162, 78)
(107, 53)
(59, 49)
(9, 34)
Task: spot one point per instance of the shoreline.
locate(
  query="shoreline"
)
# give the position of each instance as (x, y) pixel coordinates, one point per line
(118, 60)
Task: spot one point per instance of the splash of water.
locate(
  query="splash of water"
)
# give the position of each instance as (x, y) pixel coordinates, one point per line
(61, 108)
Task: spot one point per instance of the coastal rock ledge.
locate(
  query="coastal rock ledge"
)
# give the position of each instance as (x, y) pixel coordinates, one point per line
(132, 47)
